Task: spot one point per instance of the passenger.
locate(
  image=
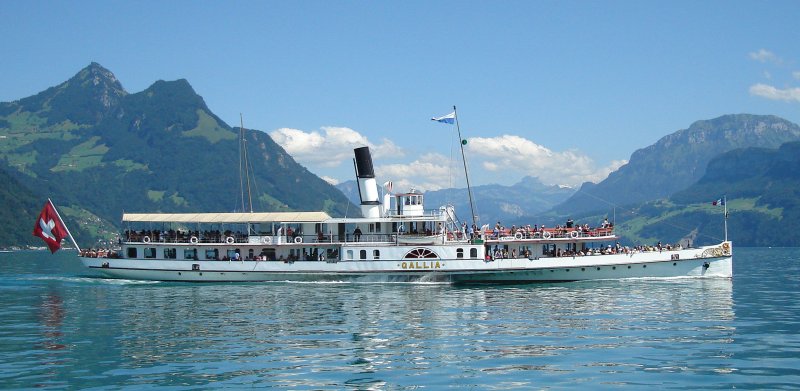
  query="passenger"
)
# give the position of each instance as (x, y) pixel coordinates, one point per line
(357, 234)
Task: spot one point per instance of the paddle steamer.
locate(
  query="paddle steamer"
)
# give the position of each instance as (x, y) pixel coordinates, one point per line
(396, 240)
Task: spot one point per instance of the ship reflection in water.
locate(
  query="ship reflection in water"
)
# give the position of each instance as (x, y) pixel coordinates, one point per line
(312, 334)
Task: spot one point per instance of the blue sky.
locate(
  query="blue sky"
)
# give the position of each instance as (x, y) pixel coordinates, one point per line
(562, 90)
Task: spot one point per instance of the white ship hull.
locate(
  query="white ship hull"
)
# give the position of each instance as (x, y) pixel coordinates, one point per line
(699, 262)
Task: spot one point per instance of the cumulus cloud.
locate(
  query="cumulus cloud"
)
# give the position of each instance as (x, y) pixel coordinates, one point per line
(430, 172)
(763, 55)
(508, 153)
(330, 147)
(773, 93)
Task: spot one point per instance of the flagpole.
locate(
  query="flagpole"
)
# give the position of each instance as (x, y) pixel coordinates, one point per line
(466, 173)
(725, 210)
(65, 226)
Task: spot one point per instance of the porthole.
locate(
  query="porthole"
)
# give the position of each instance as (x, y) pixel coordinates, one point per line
(629, 267)
(583, 269)
(598, 268)
(567, 269)
(674, 263)
(179, 273)
(644, 266)
(613, 268)
(552, 271)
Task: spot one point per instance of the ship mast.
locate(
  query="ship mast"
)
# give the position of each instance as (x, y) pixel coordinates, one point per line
(243, 160)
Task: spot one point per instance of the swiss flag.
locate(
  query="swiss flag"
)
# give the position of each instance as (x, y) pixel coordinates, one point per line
(49, 227)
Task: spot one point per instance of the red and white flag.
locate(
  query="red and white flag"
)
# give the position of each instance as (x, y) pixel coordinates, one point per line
(49, 227)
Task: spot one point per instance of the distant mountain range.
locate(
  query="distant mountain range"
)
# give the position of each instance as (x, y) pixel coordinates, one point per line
(762, 190)
(98, 150)
(678, 160)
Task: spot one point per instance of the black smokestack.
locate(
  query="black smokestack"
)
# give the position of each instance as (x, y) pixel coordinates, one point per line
(364, 163)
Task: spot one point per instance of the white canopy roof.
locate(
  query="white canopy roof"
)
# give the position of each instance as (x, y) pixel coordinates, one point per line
(275, 217)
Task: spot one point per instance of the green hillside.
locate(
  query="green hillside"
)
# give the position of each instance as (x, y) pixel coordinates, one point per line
(100, 151)
(762, 187)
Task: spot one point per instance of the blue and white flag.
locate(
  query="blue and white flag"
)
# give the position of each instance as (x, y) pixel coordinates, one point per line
(448, 119)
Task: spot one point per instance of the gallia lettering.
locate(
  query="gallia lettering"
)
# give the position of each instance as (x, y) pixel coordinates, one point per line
(421, 265)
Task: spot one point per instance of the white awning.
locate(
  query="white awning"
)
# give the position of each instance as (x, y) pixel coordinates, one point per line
(274, 217)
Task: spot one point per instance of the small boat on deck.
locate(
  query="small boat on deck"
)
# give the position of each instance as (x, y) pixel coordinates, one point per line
(396, 240)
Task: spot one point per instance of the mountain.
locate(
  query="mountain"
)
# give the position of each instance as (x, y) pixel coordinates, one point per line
(762, 189)
(98, 150)
(678, 160)
(492, 202)
(19, 212)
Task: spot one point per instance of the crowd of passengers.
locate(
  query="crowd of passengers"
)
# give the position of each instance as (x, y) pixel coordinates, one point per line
(500, 253)
(528, 231)
(178, 236)
(98, 253)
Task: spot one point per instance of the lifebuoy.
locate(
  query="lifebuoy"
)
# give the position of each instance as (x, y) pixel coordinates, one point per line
(230, 240)
(193, 240)
(298, 239)
(546, 234)
(573, 234)
(266, 240)
(146, 239)
(518, 235)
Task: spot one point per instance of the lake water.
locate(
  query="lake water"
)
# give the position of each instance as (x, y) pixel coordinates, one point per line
(59, 329)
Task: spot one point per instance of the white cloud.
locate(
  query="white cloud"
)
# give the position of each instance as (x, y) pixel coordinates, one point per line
(770, 92)
(514, 154)
(329, 148)
(510, 156)
(763, 55)
(332, 181)
(429, 172)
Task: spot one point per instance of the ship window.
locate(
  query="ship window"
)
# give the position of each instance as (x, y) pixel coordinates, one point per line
(212, 254)
(250, 254)
(473, 253)
(349, 254)
(362, 254)
(150, 252)
(190, 253)
(170, 253)
(460, 253)
(421, 253)
(231, 254)
(377, 227)
(132, 252)
(376, 254)
(371, 227)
